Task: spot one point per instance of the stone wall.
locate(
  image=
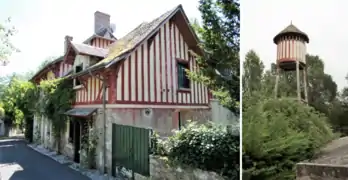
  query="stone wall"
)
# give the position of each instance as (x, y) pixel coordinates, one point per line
(162, 121)
(160, 170)
(42, 134)
(312, 171)
(221, 114)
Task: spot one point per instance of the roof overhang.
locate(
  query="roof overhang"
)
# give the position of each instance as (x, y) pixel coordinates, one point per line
(186, 27)
(81, 112)
(47, 67)
(100, 66)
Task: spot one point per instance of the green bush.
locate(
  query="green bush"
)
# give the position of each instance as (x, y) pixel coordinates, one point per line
(208, 147)
(277, 134)
(2, 112)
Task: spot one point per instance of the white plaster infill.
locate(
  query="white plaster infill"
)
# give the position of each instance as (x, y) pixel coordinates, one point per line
(93, 174)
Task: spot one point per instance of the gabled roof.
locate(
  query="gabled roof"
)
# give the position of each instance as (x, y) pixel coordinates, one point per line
(59, 59)
(123, 47)
(89, 50)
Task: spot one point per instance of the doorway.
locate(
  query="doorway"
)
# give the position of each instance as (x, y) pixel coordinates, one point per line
(77, 141)
(80, 136)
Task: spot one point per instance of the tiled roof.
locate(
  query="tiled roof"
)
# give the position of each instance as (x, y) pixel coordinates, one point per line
(90, 50)
(59, 59)
(123, 46)
(291, 29)
(132, 39)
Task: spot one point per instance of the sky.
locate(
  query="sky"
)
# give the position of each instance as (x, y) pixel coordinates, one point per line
(325, 22)
(43, 24)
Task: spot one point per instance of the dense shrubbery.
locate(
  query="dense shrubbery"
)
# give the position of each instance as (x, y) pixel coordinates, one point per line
(208, 147)
(277, 134)
(56, 97)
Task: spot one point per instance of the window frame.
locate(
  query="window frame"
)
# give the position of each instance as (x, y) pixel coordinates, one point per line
(77, 82)
(186, 64)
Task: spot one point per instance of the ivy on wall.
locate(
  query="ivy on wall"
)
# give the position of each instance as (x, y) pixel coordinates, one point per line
(52, 98)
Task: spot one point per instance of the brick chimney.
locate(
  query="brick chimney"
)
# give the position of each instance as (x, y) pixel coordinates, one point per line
(101, 20)
(67, 39)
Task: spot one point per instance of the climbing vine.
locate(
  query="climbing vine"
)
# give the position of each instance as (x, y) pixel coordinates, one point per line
(57, 99)
(52, 98)
(89, 146)
(22, 100)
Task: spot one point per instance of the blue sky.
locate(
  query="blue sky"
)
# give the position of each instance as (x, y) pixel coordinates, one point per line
(325, 22)
(42, 24)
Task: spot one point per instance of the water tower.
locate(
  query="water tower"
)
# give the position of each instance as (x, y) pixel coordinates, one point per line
(291, 56)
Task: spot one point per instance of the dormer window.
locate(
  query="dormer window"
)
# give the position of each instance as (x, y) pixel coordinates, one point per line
(78, 69)
(183, 80)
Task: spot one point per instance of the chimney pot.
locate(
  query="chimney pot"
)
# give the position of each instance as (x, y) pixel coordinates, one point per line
(67, 40)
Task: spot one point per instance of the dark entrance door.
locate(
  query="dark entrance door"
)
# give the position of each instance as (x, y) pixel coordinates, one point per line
(29, 126)
(77, 141)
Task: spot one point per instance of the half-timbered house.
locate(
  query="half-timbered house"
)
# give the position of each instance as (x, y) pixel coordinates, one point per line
(138, 80)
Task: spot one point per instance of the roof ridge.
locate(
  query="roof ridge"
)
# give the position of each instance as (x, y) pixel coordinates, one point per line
(87, 45)
(121, 48)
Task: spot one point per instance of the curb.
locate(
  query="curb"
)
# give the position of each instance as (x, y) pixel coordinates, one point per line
(7, 139)
(69, 165)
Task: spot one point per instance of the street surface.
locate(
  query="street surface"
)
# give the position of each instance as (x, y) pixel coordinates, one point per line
(20, 162)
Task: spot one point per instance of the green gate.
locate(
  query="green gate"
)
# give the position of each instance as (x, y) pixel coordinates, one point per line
(130, 148)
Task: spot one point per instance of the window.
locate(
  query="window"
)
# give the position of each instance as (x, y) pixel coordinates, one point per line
(183, 80)
(71, 131)
(77, 70)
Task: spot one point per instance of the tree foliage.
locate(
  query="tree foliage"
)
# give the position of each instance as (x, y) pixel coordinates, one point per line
(219, 34)
(6, 47)
(23, 99)
(205, 146)
(278, 133)
(282, 131)
(13, 100)
(47, 61)
(253, 71)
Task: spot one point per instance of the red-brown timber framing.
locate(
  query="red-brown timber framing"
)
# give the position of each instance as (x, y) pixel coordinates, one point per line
(101, 42)
(148, 76)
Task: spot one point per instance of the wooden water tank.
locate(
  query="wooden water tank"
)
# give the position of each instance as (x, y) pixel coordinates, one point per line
(291, 47)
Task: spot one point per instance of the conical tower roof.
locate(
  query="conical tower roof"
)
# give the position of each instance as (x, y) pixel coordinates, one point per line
(291, 30)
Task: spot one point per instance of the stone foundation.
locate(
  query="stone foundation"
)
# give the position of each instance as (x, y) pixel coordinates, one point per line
(160, 170)
(163, 121)
(312, 171)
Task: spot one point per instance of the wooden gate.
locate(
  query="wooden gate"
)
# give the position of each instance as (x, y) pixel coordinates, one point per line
(130, 148)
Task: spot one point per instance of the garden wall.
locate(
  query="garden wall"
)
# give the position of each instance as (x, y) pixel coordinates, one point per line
(160, 170)
(312, 171)
(160, 120)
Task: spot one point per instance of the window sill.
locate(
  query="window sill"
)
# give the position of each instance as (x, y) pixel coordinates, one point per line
(78, 86)
(184, 90)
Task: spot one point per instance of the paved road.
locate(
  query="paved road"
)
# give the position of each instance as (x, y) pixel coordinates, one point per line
(19, 162)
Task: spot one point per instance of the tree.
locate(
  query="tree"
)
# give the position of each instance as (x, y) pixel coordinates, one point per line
(253, 72)
(321, 87)
(6, 47)
(278, 133)
(273, 136)
(219, 66)
(47, 61)
(16, 108)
